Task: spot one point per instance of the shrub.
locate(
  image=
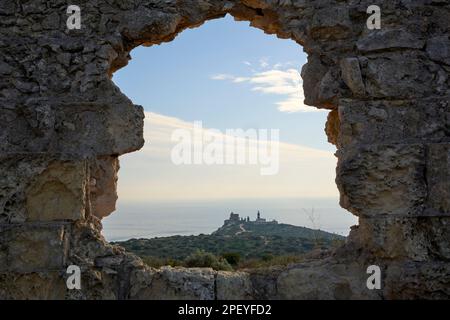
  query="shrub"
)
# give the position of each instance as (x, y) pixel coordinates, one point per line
(275, 261)
(337, 243)
(267, 257)
(204, 259)
(153, 261)
(232, 258)
(156, 262)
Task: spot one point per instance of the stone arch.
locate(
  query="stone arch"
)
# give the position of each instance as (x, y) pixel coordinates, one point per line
(64, 123)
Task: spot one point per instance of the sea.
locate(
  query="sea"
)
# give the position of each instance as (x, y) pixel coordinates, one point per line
(193, 217)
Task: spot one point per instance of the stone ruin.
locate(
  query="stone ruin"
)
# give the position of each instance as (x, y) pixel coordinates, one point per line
(64, 124)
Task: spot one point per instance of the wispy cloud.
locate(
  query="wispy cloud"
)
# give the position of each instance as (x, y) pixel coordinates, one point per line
(222, 76)
(264, 63)
(283, 82)
(150, 173)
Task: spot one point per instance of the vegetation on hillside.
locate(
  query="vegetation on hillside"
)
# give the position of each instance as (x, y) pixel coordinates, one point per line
(235, 246)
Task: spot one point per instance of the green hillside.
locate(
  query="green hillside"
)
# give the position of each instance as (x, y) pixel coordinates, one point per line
(248, 241)
(271, 229)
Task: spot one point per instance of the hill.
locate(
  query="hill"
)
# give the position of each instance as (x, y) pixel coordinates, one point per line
(248, 240)
(274, 229)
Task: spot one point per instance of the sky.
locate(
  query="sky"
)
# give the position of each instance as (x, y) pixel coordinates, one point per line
(226, 75)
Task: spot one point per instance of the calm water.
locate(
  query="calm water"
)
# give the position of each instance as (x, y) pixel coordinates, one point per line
(156, 219)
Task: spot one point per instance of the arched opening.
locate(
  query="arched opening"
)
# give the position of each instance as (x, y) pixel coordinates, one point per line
(228, 76)
(65, 123)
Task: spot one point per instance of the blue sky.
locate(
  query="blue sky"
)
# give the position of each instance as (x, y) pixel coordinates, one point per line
(229, 76)
(196, 77)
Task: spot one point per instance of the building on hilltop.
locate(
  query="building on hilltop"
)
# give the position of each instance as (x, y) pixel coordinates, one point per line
(235, 218)
(259, 219)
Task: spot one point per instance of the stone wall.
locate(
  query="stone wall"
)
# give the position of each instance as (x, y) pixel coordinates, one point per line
(64, 124)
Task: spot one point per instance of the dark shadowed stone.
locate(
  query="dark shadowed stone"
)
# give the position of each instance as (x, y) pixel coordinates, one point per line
(389, 39)
(438, 49)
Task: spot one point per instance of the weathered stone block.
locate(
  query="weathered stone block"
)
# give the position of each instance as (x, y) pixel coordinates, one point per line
(438, 178)
(46, 188)
(140, 281)
(314, 73)
(175, 284)
(86, 128)
(400, 121)
(438, 48)
(58, 193)
(332, 127)
(351, 74)
(233, 286)
(383, 179)
(402, 76)
(402, 238)
(95, 285)
(413, 280)
(57, 98)
(330, 23)
(32, 286)
(21, 168)
(103, 185)
(389, 39)
(34, 247)
(325, 280)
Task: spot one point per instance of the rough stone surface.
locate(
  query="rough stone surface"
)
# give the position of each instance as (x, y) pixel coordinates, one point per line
(104, 186)
(325, 280)
(233, 286)
(33, 247)
(58, 193)
(64, 124)
(351, 75)
(176, 283)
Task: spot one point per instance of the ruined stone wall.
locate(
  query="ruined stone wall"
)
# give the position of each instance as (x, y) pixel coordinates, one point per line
(64, 123)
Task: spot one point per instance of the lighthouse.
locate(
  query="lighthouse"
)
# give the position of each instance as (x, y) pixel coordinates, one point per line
(259, 219)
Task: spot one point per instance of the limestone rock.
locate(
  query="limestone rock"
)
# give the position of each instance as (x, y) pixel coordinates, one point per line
(233, 286)
(395, 187)
(438, 49)
(415, 280)
(58, 193)
(103, 186)
(32, 286)
(318, 280)
(64, 123)
(390, 38)
(33, 248)
(397, 121)
(438, 177)
(405, 238)
(332, 127)
(177, 283)
(351, 74)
